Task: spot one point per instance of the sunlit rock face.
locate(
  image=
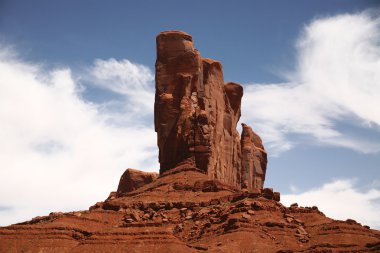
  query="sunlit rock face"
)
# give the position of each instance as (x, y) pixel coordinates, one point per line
(196, 113)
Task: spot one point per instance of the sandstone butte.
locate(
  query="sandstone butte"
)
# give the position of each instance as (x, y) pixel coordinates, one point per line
(208, 195)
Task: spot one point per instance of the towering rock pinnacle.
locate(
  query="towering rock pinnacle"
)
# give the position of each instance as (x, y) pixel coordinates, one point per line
(196, 113)
(254, 159)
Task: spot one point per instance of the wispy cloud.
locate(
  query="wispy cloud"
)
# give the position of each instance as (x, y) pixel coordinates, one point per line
(336, 81)
(134, 81)
(341, 199)
(58, 151)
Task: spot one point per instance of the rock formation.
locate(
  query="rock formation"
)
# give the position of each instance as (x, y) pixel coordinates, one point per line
(186, 212)
(208, 196)
(133, 179)
(196, 114)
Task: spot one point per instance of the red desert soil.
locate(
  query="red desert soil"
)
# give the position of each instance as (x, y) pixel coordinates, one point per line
(208, 196)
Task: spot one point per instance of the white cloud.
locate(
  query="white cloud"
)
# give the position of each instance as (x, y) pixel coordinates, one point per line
(134, 81)
(57, 151)
(337, 81)
(341, 200)
(122, 76)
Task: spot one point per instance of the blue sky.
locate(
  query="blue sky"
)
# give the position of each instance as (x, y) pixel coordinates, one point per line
(77, 83)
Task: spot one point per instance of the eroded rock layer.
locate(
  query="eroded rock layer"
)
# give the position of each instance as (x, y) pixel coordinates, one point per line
(195, 112)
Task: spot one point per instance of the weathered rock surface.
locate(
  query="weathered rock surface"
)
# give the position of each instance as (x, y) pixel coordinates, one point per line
(196, 113)
(133, 179)
(208, 196)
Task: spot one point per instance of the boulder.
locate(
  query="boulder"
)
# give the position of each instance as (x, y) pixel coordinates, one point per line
(276, 196)
(133, 179)
(268, 193)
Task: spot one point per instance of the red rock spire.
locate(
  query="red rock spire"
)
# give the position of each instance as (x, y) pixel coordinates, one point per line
(195, 112)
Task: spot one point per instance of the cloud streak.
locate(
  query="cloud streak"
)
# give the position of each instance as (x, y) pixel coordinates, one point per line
(132, 80)
(336, 82)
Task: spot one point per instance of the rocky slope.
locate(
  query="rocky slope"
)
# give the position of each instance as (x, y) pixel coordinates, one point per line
(209, 195)
(185, 211)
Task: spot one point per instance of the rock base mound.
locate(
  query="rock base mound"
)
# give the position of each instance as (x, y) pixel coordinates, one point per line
(185, 211)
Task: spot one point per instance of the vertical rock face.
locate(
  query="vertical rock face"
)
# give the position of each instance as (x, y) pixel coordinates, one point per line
(254, 159)
(196, 113)
(178, 77)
